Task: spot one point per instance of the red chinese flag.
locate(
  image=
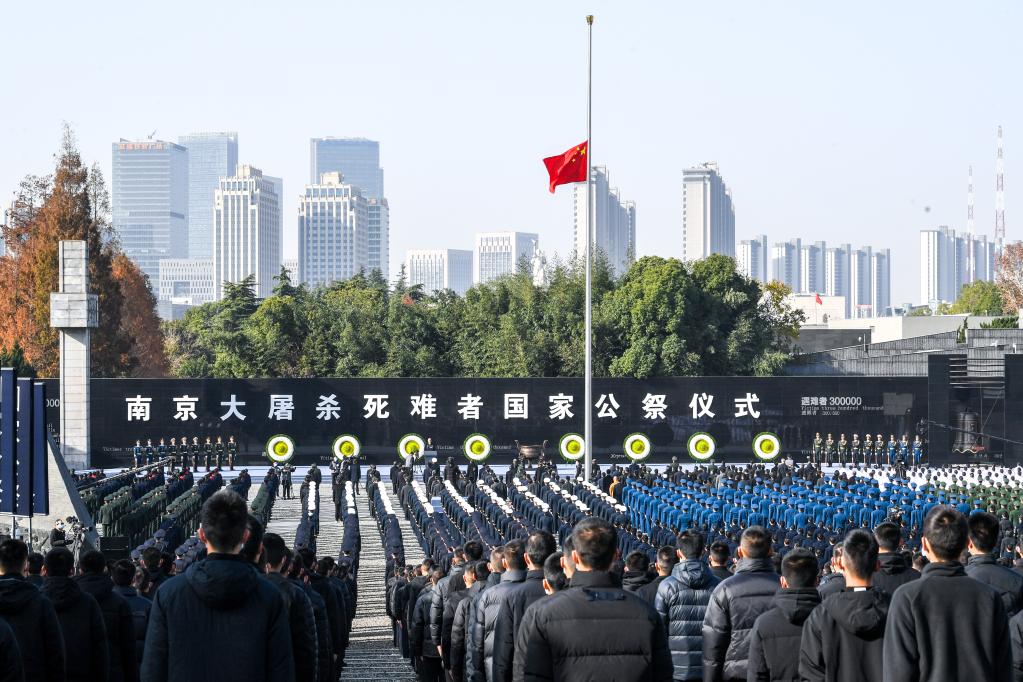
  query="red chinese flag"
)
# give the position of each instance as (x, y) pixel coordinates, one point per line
(818, 299)
(568, 167)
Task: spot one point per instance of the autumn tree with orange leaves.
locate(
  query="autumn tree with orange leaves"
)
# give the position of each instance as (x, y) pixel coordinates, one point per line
(73, 203)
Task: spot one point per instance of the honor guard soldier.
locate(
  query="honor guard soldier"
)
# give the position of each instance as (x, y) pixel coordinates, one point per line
(878, 449)
(172, 451)
(218, 452)
(207, 452)
(161, 450)
(904, 450)
(855, 448)
(918, 450)
(149, 451)
(829, 449)
(868, 449)
(843, 449)
(286, 481)
(232, 452)
(136, 454)
(817, 449)
(195, 450)
(893, 448)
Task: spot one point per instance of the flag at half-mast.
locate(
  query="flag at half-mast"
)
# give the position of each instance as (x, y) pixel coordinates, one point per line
(569, 166)
(817, 299)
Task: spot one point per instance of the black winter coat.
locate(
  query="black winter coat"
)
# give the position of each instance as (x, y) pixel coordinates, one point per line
(592, 630)
(452, 582)
(302, 625)
(832, 583)
(35, 625)
(843, 639)
(460, 631)
(81, 622)
(894, 573)
(520, 597)
(682, 603)
(648, 592)
(776, 636)
(451, 603)
(734, 606)
(1016, 637)
(219, 601)
(139, 607)
(119, 624)
(481, 641)
(324, 648)
(423, 644)
(1007, 582)
(946, 626)
(632, 582)
(11, 669)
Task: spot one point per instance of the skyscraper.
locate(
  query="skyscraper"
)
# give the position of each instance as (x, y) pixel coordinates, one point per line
(211, 156)
(186, 280)
(838, 274)
(614, 223)
(861, 283)
(812, 267)
(500, 253)
(753, 258)
(949, 260)
(150, 202)
(785, 264)
(333, 222)
(247, 230)
(708, 217)
(358, 161)
(881, 282)
(438, 269)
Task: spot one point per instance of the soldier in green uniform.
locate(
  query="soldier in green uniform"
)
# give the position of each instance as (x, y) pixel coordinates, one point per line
(218, 452)
(172, 451)
(843, 449)
(879, 449)
(829, 449)
(149, 451)
(855, 448)
(817, 449)
(232, 451)
(868, 449)
(161, 450)
(196, 449)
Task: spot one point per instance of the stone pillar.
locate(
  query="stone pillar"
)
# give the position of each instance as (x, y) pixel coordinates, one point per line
(73, 311)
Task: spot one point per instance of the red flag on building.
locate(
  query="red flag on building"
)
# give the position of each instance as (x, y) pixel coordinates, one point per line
(817, 298)
(568, 167)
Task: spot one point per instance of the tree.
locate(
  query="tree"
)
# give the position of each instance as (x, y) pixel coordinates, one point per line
(978, 298)
(1009, 277)
(71, 204)
(15, 357)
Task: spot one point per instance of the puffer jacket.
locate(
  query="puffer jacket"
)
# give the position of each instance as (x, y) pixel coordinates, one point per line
(1007, 582)
(734, 606)
(776, 636)
(681, 601)
(843, 639)
(459, 631)
(895, 571)
(481, 636)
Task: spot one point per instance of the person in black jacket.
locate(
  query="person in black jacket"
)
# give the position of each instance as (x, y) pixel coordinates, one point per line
(31, 616)
(983, 563)
(734, 606)
(835, 581)
(843, 639)
(452, 582)
(682, 602)
(720, 556)
(487, 609)
(301, 620)
(592, 630)
(636, 571)
(475, 577)
(324, 648)
(425, 651)
(946, 626)
(894, 571)
(777, 633)
(117, 618)
(336, 614)
(11, 669)
(521, 596)
(667, 557)
(81, 620)
(223, 593)
(123, 575)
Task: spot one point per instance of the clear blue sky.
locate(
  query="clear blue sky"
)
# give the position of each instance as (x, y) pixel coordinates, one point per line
(842, 122)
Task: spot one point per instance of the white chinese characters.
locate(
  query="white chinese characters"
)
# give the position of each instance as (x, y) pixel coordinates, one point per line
(424, 405)
(184, 408)
(376, 406)
(469, 406)
(138, 408)
(328, 408)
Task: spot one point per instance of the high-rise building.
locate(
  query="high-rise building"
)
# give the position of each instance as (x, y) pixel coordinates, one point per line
(438, 269)
(358, 161)
(150, 202)
(500, 253)
(708, 217)
(785, 263)
(333, 222)
(291, 265)
(812, 268)
(861, 285)
(838, 274)
(753, 258)
(614, 223)
(881, 282)
(247, 229)
(948, 261)
(211, 156)
(186, 280)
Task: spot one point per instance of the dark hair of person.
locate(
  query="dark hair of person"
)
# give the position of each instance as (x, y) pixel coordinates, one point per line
(482, 570)
(667, 558)
(566, 553)
(250, 550)
(92, 562)
(122, 572)
(35, 562)
(691, 543)
(457, 555)
(888, 536)
(720, 552)
(539, 546)
(554, 574)
(946, 531)
(514, 555)
(151, 558)
(756, 543)
(224, 519)
(13, 554)
(470, 569)
(436, 575)
(595, 542)
(984, 531)
(859, 554)
(59, 562)
(496, 555)
(473, 550)
(799, 568)
(637, 562)
(274, 549)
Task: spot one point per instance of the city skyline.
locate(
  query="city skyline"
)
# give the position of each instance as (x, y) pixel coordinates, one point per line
(869, 110)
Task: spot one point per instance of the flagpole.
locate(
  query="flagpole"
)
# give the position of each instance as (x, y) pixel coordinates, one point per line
(588, 378)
